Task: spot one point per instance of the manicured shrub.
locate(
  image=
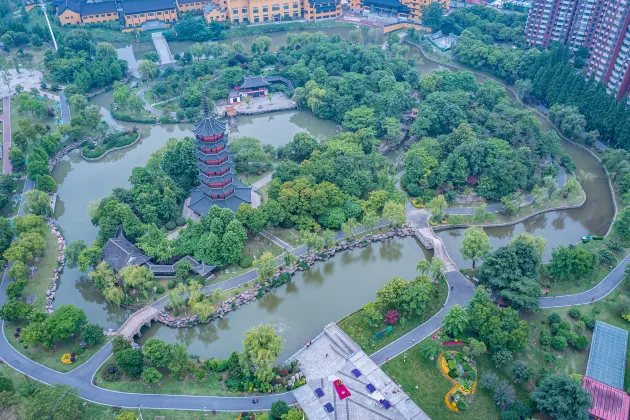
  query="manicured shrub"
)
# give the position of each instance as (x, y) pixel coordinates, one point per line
(246, 261)
(501, 357)
(613, 244)
(6, 385)
(170, 225)
(392, 317)
(549, 357)
(517, 411)
(580, 343)
(579, 326)
(111, 373)
(522, 371)
(565, 325)
(504, 393)
(589, 321)
(559, 343)
(180, 221)
(545, 337)
(575, 313)
(554, 318)
(171, 284)
(571, 337)
(159, 290)
(606, 257)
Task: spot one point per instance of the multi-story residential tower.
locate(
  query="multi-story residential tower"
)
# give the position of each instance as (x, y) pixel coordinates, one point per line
(549, 21)
(608, 61)
(601, 26)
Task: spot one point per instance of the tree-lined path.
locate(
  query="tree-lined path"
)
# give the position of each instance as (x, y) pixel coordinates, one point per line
(6, 134)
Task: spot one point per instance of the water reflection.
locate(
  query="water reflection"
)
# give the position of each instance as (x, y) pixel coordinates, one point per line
(279, 128)
(312, 299)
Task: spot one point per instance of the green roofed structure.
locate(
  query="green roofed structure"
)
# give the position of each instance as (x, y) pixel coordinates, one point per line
(607, 359)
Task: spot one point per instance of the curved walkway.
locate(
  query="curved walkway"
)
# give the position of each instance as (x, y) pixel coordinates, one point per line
(460, 291)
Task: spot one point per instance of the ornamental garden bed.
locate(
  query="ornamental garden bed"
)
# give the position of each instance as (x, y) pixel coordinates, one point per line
(462, 372)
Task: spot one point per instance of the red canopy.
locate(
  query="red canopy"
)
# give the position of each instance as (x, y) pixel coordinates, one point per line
(608, 403)
(341, 389)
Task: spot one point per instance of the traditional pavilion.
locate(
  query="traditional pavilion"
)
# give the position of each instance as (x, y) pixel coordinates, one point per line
(253, 87)
(119, 252)
(219, 186)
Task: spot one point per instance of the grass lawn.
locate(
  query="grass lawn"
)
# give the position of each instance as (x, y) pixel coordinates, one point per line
(103, 412)
(212, 384)
(255, 246)
(556, 201)
(290, 236)
(16, 115)
(142, 114)
(249, 179)
(50, 357)
(413, 371)
(42, 279)
(355, 326)
(425, 384)
(264, 193)
(12, 206)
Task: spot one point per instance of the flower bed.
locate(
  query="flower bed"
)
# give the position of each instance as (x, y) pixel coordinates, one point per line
(461, 371)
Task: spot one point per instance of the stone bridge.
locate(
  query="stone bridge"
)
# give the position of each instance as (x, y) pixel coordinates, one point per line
(431, 241)
(134, 323)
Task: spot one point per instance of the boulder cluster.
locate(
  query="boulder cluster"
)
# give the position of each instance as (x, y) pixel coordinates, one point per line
(61, 260)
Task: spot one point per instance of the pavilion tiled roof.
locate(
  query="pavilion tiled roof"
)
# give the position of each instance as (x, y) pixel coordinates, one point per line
(608, 403)
(254, 82)
(118, 252)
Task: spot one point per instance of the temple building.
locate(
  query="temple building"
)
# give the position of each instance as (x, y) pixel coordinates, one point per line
(218, 183)
(119, 252)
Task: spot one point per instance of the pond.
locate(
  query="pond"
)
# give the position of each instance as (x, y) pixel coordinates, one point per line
(300, 309)
(81, 182)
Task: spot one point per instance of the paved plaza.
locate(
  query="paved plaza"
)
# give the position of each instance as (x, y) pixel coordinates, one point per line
(28, 78)
(261, 105)
(333, 355)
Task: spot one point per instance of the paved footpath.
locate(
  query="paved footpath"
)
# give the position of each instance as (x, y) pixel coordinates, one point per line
(6, 134)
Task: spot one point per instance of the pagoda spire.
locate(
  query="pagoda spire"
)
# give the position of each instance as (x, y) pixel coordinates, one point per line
(206, 108)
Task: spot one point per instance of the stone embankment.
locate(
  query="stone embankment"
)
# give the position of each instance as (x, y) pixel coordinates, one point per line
(438, 228)
(60, 154)
(281, 276)
(61, 260)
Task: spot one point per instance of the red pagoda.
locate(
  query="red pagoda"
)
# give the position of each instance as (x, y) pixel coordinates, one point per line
(218, 183)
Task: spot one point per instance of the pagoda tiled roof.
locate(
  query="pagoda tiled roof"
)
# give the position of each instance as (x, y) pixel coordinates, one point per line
(217, 155)
(209, 126)
(215, 168)
(215, 178)
(216, 143)
(201, 203)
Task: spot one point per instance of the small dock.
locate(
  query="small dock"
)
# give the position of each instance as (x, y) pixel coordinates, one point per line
(162, 48)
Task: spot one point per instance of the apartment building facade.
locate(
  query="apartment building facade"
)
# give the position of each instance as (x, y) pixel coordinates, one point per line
(601, 26)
